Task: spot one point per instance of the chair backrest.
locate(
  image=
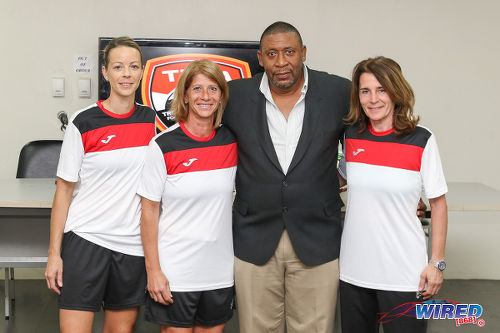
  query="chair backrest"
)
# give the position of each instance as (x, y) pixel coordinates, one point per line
(38, 159)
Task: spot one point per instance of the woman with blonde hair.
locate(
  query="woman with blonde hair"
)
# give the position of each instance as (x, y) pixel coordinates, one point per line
(95, 221)
(187, 192)
(389, 159)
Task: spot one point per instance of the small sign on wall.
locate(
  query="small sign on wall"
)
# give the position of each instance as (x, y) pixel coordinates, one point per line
(83, 63)
(84, 87)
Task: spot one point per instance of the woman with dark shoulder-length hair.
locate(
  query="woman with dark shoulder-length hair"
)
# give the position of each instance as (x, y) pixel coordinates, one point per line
(389, 159)
(95, 221)
(187, 192)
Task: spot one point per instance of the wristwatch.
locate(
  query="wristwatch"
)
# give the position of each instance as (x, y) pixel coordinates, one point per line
(441, 265)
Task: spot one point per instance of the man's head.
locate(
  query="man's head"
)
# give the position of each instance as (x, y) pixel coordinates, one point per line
(280, 27)
(282, 54)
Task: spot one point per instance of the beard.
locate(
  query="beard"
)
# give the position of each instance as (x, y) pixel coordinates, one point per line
(284, 85)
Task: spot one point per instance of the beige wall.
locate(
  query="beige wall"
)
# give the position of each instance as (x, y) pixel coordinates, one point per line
(448, 49)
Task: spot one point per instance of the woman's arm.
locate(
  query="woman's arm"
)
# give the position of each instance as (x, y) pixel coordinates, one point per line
(439, 223)
(59, 213)
(158, 285)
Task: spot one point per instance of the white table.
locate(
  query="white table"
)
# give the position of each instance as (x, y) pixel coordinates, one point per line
(24, 225)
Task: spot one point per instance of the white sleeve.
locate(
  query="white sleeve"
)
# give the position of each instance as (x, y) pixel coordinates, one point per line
(71, 157)
(431, 170)
(154, 174)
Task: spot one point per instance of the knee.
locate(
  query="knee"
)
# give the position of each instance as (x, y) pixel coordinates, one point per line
(118, 328)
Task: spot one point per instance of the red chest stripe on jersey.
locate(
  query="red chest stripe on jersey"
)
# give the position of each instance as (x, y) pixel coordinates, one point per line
(390, 154)
(201, 159)
(118, 137)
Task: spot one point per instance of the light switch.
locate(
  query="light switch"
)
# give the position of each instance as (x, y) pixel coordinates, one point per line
(84, 88)
(57, 86)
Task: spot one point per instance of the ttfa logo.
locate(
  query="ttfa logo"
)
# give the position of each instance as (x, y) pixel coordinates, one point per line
(162, 74)
(461, 313)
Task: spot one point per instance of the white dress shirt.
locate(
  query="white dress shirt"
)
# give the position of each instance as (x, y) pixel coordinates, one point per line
(284, 134)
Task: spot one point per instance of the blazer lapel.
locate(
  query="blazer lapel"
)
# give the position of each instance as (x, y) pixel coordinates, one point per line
(262, 130)
(310, 122)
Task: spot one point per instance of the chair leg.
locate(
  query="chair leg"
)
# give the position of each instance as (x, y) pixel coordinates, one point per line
(13, 283)
(7, 292)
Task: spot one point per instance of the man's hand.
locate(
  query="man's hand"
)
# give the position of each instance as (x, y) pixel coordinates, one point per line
(421, 208)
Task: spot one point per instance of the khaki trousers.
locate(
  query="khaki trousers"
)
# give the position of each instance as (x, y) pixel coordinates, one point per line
(286, 291)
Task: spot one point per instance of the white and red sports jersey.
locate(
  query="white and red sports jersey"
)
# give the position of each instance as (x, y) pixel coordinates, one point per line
(104, 153)
(193, 178)
(383, 245)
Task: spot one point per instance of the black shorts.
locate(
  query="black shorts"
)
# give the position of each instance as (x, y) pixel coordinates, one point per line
(361, 310)
(203, 308)
(95, 277)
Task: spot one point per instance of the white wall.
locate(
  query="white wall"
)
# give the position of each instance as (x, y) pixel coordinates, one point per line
(448, 49)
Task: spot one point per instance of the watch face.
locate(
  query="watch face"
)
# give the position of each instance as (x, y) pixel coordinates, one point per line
(441, 265)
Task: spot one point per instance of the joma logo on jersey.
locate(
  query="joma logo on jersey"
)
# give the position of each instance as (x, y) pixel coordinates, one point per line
(108, 139)
(162, 74)
(188, 163)
(358, 151)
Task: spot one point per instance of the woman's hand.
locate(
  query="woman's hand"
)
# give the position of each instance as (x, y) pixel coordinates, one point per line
(434, 279)
(159, 287)
(53, 273)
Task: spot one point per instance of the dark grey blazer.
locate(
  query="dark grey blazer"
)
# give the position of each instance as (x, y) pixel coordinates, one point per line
(305, 201)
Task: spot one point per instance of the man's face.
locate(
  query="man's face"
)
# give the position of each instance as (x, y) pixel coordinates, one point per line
(282, 57)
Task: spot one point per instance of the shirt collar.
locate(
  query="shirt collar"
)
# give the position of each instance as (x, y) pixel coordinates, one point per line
(266, 91)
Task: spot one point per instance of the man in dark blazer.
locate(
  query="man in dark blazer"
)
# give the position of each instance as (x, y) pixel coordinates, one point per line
(286, 215)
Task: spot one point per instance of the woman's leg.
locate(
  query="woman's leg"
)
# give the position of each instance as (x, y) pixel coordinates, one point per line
(195, 329)
(85, 264)
(124, 292)
(208, 311)
(75, 321)
(209, 329)
(358, 309)
(171, 329)
(120, 321)
(400, 302)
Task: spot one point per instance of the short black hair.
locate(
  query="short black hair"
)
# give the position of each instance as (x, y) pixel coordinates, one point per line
(279, 27)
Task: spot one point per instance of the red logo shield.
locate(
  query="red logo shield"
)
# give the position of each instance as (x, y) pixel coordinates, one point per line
(162, 74)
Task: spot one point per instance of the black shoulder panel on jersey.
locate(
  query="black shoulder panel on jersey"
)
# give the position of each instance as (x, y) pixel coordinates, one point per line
(95, 118)
(417, 138)
(177, 140)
